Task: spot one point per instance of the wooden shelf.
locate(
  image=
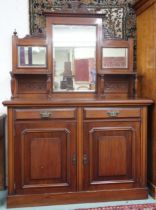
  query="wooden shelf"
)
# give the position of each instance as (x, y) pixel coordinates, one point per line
(117, 73)
(22, 72)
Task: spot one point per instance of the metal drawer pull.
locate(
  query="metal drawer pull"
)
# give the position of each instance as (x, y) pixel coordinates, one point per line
(45, 115)
(113, 113)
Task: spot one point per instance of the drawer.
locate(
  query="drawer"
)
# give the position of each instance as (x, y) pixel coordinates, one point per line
(112, 112)
(63, 113)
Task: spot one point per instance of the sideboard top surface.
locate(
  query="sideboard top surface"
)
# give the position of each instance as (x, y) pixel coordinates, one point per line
(78, 102)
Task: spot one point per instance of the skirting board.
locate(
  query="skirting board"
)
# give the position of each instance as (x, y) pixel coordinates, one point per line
(14, 201)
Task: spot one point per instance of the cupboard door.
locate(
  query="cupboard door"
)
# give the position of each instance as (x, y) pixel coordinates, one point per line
(44, 153)
(111, 155)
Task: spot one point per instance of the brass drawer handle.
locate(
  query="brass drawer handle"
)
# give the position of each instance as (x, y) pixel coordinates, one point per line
(45, 115)
(113, 113)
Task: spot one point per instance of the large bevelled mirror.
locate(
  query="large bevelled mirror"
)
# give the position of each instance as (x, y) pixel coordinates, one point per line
(74, 58)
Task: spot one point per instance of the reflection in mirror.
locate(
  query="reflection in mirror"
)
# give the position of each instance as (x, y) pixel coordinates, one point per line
(115, 58)
(31, 56)
(74, 58)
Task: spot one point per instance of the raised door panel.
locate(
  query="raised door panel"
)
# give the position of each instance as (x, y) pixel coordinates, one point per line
(41, 159)
(44, 157)
(110, 150)
(107, 147)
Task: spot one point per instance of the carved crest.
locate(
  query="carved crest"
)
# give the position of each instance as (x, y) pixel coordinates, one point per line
(74, 6)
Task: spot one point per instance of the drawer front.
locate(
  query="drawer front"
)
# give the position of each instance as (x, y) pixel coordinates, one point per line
(113, 112)
(63, 113)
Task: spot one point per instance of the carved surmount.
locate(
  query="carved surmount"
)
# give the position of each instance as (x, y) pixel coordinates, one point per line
(33, 35)
(36, 35)
(74, 8)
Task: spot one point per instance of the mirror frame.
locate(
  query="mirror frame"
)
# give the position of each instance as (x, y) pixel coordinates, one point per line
(34, 41)
(118, 44)
(69, 76)
(56, 19)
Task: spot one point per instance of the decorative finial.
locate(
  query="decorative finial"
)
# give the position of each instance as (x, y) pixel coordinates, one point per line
(15, 33)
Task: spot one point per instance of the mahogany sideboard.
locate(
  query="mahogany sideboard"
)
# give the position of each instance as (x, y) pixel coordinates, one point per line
(79, 153)
(77, 132)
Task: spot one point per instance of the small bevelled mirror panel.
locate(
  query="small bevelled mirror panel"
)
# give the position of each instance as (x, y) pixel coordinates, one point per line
(115, 58)
(32, 56)
(74, 58)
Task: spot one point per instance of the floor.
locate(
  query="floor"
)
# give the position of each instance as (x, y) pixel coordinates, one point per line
(73, 206)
